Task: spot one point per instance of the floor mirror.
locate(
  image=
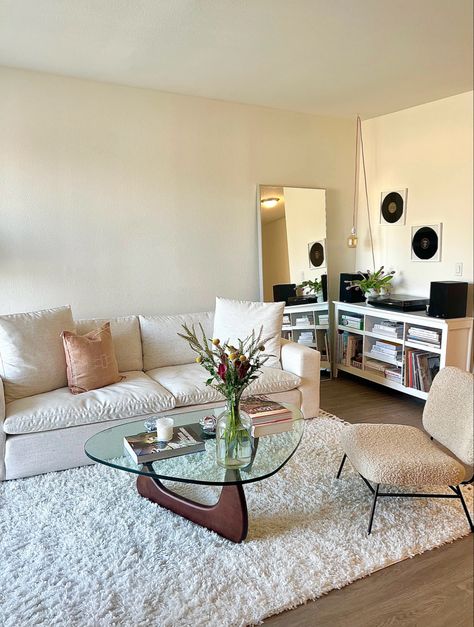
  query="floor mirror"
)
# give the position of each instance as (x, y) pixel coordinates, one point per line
(294, 264)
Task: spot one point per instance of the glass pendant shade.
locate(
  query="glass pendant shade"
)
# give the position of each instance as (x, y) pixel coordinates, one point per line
(352, 239)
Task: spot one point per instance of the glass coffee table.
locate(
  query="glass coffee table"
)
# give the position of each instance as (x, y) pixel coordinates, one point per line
(229, 516)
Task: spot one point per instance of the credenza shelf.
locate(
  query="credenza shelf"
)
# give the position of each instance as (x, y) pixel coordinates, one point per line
(455, 344)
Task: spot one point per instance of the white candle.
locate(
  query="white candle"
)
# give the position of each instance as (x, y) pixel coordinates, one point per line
(164, 429)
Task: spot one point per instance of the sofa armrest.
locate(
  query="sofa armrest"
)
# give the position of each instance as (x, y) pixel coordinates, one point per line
(2, 432)
(305, 363)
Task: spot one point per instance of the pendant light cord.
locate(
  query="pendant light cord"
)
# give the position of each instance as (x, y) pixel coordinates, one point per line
(359, 133)
(356, 180)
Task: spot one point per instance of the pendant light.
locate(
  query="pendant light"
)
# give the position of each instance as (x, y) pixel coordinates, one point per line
(353, 239)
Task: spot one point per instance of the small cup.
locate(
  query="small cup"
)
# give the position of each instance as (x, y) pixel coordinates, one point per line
(164, 429)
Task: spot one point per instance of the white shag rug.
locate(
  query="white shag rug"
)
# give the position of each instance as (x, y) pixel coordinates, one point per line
(82, 548)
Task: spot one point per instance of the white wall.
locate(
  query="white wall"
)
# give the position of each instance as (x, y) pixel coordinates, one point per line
(118, 200)
(427, 149)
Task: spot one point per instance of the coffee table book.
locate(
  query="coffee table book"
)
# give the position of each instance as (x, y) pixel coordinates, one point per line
(145, 447)
(262, 410)
(272, 427)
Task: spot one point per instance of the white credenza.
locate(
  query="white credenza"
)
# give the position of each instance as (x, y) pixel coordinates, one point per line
(309, 325)
(397, 360)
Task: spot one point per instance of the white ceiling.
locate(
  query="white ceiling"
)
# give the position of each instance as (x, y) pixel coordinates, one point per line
(335, 57)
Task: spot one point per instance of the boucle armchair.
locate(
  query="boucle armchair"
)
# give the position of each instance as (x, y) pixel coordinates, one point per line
(400, 455)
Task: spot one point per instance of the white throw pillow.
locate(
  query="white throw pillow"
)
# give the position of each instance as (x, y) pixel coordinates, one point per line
(32, 357)
(236, 319)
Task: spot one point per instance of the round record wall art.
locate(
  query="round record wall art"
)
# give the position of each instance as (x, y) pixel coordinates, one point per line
(426, 243)
(317, 254)
(393, 206)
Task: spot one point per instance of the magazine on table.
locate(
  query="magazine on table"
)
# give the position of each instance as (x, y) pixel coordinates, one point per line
(145, 447)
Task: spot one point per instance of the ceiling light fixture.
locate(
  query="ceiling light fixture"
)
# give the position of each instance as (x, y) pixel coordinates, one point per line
(269, 203)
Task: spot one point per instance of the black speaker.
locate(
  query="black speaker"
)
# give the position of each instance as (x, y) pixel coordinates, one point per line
(324, 281)
(354, 295)
(283, 292)
(448, 299)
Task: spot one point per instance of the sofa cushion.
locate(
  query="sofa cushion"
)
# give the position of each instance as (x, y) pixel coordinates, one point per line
(126, 338)
(32, 357)
(187, 383)
(136, 395)
(236, 319)
(161, 344)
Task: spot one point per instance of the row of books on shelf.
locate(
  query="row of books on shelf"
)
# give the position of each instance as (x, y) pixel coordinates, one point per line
(429, 337)
(268, 418)
(353, 322)
(305, 320)
(349, 348)
(421, 367)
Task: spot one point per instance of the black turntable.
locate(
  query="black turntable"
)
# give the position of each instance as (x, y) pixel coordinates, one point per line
(400, 302)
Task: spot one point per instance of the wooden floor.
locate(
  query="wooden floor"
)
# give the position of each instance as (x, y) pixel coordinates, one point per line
(431, 590)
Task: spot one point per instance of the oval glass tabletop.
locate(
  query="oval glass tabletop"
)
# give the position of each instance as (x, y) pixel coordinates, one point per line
(271, 452)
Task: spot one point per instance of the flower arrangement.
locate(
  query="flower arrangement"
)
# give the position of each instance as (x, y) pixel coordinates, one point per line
(232, 369)
(372, 282)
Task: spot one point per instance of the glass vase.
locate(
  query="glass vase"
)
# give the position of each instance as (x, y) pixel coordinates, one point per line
(234, 442)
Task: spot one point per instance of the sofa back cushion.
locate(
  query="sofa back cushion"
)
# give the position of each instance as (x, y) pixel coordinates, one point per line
(126, 339)
(32, 357)
(161, 344)
(236, 319)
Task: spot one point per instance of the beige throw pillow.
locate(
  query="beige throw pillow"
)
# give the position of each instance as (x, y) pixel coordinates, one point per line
(31, 351)
(90, 358)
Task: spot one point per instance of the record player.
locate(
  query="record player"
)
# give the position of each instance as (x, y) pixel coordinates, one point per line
(302, 300)
(400, 302)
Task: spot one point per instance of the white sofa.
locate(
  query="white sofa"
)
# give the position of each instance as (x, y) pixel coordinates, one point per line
(47, 431)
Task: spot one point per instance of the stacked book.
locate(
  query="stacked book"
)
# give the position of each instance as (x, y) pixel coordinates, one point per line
(377, 366)
(385, 351)
(421, 367)
(268, 417)
(303, 321)
(393, 374)
(323, 318)
(306, 337)
(388, 327)
(351, 321)
(427, 337)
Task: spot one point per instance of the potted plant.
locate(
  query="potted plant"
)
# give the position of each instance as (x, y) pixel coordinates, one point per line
(313, 287)
(232, 369)
(373, 283)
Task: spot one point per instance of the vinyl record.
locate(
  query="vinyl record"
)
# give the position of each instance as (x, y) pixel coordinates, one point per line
(425, 242)
(316, 254)
(392, 207)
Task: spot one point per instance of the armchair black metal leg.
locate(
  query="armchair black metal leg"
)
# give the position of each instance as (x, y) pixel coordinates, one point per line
(341, 466)
(464, 506)
(374, 503)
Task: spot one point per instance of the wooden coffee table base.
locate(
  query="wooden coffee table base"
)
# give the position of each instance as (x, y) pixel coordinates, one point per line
(228, 517)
